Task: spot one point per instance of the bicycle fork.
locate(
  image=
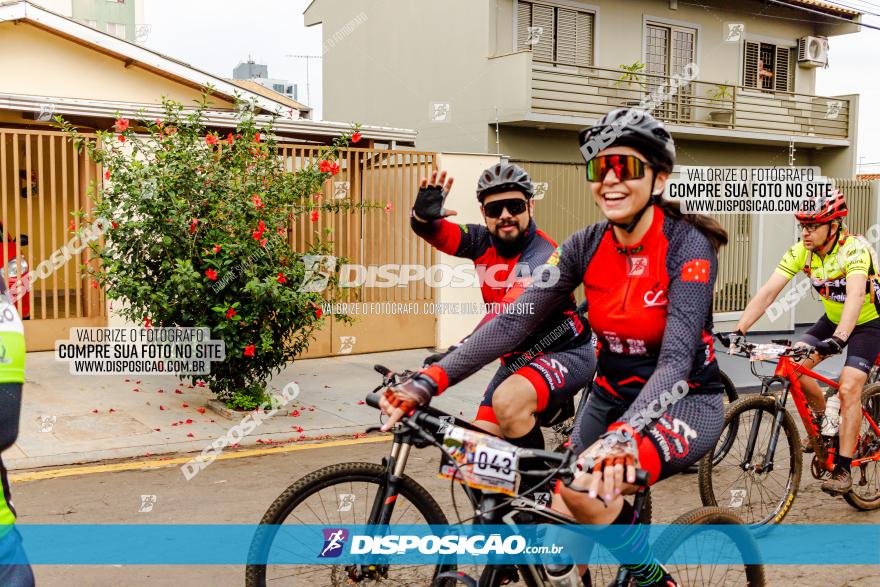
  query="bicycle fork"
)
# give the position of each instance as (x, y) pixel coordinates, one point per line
(383, 504)
(767, 465)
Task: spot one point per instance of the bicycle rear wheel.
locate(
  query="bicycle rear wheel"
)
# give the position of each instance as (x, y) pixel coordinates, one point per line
(865, 494)
(687, 540)
(757, 495)
(341, 494)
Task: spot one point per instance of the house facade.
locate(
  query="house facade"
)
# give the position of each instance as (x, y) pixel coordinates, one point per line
(521, 78)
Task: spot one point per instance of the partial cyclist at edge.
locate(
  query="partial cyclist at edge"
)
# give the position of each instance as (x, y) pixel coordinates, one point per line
(843, 270)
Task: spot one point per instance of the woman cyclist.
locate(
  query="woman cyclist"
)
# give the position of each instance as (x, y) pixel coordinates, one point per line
(648, 273)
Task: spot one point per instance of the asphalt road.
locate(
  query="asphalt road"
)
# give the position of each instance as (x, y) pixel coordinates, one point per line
(239, 490)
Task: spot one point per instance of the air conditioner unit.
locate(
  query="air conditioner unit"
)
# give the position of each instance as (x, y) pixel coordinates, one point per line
(813, 51)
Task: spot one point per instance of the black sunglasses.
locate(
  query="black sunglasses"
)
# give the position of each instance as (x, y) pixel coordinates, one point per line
(514, 206)
(625, 167)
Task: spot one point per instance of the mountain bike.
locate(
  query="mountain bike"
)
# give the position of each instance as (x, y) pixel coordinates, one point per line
(759, 475)
(366, 493)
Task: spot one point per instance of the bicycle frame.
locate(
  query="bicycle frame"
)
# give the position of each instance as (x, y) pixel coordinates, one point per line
(787, 373)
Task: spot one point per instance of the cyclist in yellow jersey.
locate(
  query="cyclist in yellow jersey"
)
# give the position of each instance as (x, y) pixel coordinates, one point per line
(843, 269)
(14, 570)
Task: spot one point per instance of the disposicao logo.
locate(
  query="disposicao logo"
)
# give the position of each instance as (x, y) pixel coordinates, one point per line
(334, 540)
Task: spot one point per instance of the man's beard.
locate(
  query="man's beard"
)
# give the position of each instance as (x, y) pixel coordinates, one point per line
(510, 244)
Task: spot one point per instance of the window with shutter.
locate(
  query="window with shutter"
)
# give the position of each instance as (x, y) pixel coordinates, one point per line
(566, 37)
(668, 50)
(783, 58)
(584, 38)
(543, 17)
(767, 67)
(750, 65)
(523, 22)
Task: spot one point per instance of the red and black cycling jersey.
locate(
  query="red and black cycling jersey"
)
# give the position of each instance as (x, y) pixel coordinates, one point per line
(650, 306)
(504, 275)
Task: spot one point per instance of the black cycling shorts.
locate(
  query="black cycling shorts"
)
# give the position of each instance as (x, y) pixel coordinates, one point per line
(556, 377)
(688, 430)
(863, 345)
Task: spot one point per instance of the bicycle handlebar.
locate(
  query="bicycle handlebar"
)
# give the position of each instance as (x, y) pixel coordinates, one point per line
(566, 462)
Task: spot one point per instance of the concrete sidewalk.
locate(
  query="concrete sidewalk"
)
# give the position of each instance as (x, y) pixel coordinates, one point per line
(74, 419)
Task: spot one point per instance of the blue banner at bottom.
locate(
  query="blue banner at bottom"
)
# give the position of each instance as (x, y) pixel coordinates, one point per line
(175, 544)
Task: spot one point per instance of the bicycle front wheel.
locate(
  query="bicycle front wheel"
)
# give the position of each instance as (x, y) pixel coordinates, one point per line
(757, 492)
(341, 494)
(687, 541)
(865, 494)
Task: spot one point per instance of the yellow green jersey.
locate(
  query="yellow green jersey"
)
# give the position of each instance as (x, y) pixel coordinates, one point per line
(12, 353)
(850, 256)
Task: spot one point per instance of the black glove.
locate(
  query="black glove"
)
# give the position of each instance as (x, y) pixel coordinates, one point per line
(830, 346)
(429, 203)
(729, 338)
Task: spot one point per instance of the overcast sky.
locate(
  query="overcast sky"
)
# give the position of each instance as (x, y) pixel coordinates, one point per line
(215, 35)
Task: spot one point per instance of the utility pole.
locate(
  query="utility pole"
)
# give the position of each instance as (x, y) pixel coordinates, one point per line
(307, 58)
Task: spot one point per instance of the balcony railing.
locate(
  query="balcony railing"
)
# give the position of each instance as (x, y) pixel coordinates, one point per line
(593, 91)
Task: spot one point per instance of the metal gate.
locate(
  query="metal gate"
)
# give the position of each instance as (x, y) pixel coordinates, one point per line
(43, 181)
(374, 236)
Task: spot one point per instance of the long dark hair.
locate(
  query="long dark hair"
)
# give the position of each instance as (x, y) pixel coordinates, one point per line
(707, 225)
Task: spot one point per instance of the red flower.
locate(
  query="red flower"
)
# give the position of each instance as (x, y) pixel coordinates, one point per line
(257, 137)
(121, 138)
(217, 248)
(388, 207)
(121, 125)
(158, 122)
(191, 435)
(211, 274)
(114, 225)
(318, 311)
(281, 278)
(230, 312)
(334, 168)
(282, 231)
(315, 215)
(107, 174)
(356, 137)
(230, 138)
(263, 242)
(258, 233)
(94, 284)
(211, 139)
(258, 202)
(147, 322)
(324, 166)
(200, 410)
(162, 408)
(193, 224)
(249, 350)
(71, 226)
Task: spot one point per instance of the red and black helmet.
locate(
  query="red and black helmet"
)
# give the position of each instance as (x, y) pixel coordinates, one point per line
(830, 207)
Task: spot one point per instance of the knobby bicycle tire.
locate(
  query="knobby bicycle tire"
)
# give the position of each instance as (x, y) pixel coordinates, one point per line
(255, 574)
(735, 414)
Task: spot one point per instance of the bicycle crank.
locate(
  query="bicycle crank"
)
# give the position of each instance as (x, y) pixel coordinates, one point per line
(819, 472)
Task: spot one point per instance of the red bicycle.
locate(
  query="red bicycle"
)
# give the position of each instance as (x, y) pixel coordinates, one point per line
(757, 469)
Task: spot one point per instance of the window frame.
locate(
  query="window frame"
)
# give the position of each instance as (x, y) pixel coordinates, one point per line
(648, 19)
(779, 42)
(571, 4)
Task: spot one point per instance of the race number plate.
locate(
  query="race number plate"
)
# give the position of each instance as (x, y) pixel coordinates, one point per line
(767, 352)
(484, 461)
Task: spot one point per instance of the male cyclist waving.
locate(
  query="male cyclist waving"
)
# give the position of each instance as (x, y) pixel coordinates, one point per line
(843, 270)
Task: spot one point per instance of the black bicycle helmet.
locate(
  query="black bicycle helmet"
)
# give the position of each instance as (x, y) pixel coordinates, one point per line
(630, 127)
(635, 128)
(503, 177)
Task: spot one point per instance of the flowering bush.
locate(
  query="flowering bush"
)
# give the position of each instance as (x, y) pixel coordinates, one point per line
(199, 237)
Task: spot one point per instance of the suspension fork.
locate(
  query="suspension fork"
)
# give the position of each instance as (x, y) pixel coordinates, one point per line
(383, 504)
(774, 435)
